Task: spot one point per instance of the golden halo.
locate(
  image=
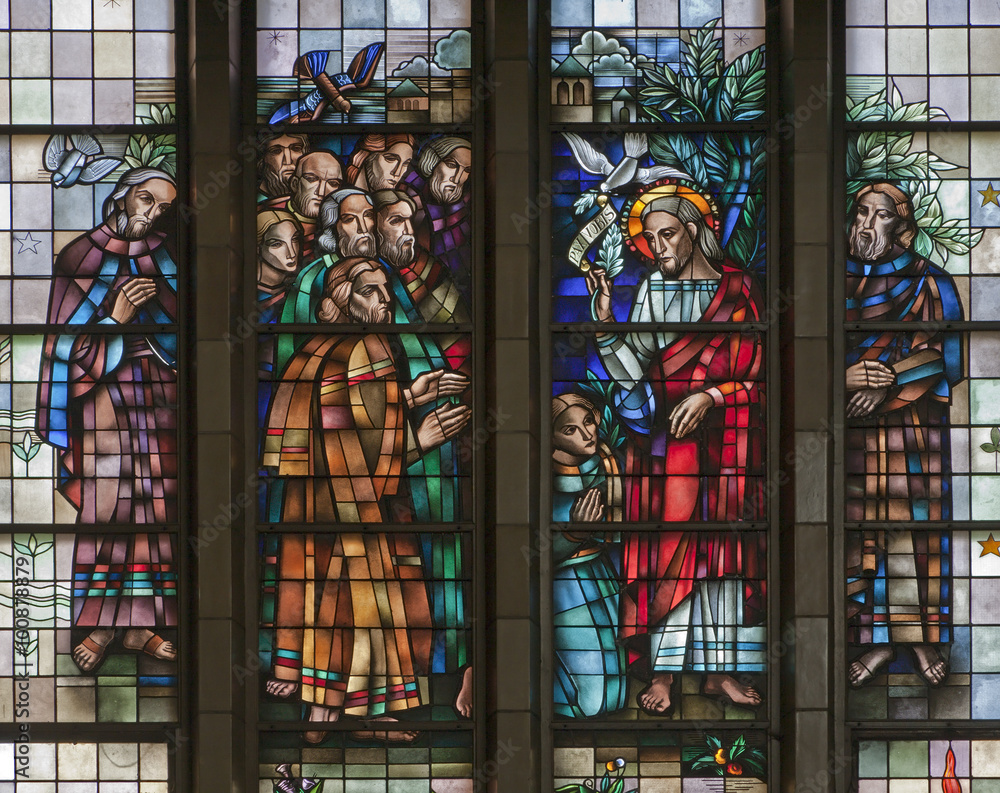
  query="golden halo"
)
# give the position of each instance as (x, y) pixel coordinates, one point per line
(631, 222)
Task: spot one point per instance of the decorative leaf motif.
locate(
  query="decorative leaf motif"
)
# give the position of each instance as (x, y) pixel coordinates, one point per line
(584, 202)
(610, 257)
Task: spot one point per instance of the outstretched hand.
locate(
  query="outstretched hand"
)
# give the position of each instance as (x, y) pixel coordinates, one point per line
(688, 413)
(431, 386)
(869, 374)
(597, 281)
(131, 296)
(441, 425)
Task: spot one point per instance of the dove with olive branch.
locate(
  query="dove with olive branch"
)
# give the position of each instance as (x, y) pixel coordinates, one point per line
(618, 177)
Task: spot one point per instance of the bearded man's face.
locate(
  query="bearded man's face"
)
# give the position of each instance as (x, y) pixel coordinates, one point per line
(385, 170)
(447, 182)
(370, 299)
(355, 227)
(142, 205)
(873, 232)
(395, 234)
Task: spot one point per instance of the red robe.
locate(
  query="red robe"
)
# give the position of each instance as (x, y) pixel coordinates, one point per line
(715, 473)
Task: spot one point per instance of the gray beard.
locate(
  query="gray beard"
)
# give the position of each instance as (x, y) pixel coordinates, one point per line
(361, 245)
(134, 228)
(868, 250)
(444, 193)
(394, 253)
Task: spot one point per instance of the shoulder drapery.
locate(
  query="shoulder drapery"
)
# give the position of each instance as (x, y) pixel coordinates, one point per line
(336, 424)
(715, 473)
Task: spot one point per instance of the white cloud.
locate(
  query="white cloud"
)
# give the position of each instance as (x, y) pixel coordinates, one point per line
(454, 51)
(418, 67)
(593, 44)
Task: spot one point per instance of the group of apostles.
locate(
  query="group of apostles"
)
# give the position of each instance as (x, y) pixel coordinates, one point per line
(362, 425)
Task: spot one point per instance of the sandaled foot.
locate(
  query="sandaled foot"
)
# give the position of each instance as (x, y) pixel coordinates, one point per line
(866, 667)
(729, 687)
(654, 699)
(930, 664)
(89, 653)
(463, 702)
(390, 736)
(145, 641)
(280, 688)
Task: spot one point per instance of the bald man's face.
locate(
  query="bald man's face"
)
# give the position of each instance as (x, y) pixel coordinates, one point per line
(316, 176)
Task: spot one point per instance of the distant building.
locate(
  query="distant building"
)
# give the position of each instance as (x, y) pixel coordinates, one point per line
(572, 92)
(407, 102)
(624, 108)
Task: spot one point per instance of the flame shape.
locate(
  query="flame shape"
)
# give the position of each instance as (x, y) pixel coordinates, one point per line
(949, 782)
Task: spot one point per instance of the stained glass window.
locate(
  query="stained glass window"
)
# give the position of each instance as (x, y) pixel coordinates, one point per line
(920, 419)
(127, 767)
(92, 369)
(368, 511)
(659, 413)
(396, 62)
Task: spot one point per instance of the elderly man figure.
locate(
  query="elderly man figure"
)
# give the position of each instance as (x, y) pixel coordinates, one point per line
(346, 229)
(381, 161)
(316, 176)
(340, 399)
(440, 190)
(898, 451)
(691, 601)
(108, 402)
(279, 154)
(428, 282)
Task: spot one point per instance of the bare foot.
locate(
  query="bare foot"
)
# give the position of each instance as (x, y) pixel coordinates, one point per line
(728, 686)
(280, 688)
(931, 665)
(655, 698)
(866, 667)
(319, 713)
(398, 736)
(88, 653)
(463, 702)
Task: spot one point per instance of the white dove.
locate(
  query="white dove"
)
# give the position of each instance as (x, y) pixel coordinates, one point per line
(625, 172)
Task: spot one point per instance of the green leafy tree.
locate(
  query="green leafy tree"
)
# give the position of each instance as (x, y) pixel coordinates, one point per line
(703, 88)
(153, 151)
(880, 156)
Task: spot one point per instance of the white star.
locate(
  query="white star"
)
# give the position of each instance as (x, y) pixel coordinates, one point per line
(27, 243)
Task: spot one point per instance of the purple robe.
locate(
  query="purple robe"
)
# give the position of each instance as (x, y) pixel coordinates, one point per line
(109, 400)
